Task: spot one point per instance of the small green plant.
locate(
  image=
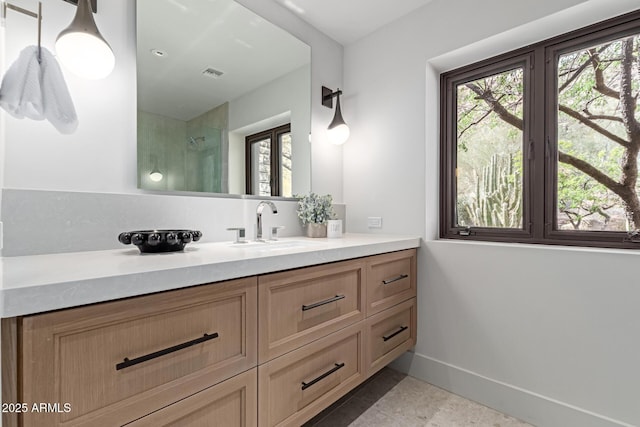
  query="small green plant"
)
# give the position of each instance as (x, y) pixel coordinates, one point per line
(315, 209)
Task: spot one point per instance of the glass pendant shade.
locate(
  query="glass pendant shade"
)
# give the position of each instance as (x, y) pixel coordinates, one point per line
(155, 175)
(338, 130)
(82, 49)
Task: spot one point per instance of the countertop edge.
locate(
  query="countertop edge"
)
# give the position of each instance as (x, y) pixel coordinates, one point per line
(27, 300)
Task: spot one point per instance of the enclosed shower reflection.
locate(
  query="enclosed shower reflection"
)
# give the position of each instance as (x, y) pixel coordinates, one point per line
(203, 162)
(191, 155)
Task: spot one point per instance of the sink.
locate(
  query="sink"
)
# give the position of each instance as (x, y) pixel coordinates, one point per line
(272, 245)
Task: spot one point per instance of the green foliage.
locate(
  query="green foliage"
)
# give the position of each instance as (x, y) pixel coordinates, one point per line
(489, 156)
(595, 134)
(507, 87)
(580, 196)
(315, 209)
(497, 201)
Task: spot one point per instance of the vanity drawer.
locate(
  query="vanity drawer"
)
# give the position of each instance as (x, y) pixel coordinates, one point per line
(389, 334)
(232, 403)
(391, 279)
(115, 362)
(295, 387)
(299, 306)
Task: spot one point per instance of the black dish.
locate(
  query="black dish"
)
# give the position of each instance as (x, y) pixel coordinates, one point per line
(153, 241)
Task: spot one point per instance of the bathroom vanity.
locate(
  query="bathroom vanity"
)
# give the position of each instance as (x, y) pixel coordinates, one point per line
(277, 335)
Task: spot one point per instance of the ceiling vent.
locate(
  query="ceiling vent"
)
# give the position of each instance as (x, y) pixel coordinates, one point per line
(213, 73)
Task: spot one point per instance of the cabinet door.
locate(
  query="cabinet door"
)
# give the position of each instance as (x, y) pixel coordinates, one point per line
(389, 334)
(295, 387)
(300, 306)
(232, 403)
(115, 362)
(391, 279)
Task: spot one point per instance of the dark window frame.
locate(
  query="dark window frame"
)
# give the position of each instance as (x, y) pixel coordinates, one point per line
(448, 158)
(539, 139)
(273, 135)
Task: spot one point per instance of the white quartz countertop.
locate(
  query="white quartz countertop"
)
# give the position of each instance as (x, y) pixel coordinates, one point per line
(34, 284)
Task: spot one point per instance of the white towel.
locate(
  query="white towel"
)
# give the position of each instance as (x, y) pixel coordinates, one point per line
(37, 90)
(20, 93)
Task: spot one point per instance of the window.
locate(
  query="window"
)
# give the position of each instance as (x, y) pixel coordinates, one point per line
(268, 162)
(541, 145)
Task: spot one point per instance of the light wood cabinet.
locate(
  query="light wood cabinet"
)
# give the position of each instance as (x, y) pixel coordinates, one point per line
(302, 305)
(231, 403)
(389, 334)
(391, 279)
(271, 350)
(295, 387)
(118, 361)
(374, 296)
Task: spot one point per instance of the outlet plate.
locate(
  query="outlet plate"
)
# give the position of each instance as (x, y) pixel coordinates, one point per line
(374, 222)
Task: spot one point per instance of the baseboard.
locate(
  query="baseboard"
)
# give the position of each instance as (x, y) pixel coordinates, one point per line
(523, 404)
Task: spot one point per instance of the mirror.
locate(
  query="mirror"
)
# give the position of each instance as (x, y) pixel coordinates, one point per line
(224, 100)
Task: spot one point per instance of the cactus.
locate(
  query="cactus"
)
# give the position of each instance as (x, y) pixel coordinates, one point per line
(497, 201)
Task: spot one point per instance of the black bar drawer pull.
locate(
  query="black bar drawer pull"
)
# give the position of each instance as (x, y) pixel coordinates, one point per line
(399, 331)
(395, 279)
(323, 376)
(130, 362)
(321, 303)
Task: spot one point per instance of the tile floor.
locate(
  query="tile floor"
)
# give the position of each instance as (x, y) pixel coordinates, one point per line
(392, 399)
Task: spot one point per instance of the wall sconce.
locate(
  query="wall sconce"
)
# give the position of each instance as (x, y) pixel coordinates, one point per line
(155, 175)
(338, 129)
(81, 47)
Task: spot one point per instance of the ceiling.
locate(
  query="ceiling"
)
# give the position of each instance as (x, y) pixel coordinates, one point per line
(349, 20)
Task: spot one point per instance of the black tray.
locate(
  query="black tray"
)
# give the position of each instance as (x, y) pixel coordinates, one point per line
(153, 241)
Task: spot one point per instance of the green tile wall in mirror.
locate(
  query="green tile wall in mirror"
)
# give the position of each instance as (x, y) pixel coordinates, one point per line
(217, 84)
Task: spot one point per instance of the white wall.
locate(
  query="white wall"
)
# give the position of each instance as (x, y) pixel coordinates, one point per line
(101, 155)
(547, 334)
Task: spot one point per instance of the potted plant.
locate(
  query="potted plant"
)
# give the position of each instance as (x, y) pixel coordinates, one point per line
(314, 211)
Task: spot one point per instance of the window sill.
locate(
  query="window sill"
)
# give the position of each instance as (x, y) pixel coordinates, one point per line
(538, 246)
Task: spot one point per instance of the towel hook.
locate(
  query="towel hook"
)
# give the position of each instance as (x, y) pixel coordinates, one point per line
(38, 16)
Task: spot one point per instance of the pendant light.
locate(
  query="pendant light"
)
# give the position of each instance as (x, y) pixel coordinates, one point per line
(338, 131)
(81, 47)
(155, 175)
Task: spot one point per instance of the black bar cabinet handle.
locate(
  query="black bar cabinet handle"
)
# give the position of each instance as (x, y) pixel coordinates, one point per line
(130, 362)
(395, 279)
(323, 376)
(399, 331)
(321, 303)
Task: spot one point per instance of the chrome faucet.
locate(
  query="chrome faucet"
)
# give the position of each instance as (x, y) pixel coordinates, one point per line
(261, 206)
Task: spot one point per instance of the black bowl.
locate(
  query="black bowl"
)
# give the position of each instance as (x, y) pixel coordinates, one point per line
(153, 241)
